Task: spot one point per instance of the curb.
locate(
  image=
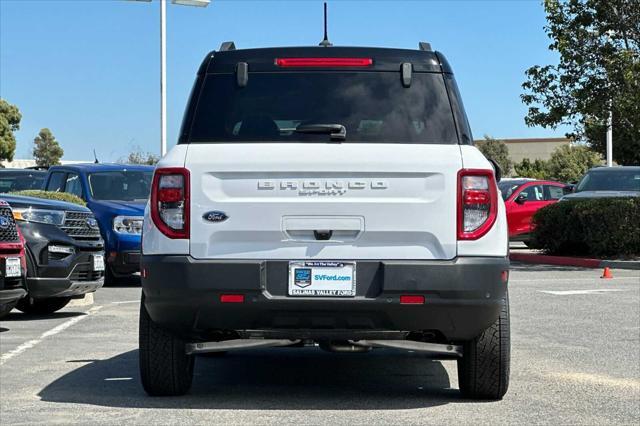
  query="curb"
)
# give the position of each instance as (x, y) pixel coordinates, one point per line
(573, 261)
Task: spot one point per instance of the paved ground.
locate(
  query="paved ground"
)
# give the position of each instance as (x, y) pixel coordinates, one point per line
(576, 359)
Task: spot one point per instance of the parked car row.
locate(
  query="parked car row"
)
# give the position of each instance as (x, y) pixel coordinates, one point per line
(524, 197)
(64, 250)
(116, 194)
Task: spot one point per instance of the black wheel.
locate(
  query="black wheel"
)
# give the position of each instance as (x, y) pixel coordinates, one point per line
(5, 309)
(483, 371)
(165, 368)
(29, 305)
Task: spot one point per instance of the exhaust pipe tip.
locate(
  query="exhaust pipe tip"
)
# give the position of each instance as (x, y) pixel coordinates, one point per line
(338, 346)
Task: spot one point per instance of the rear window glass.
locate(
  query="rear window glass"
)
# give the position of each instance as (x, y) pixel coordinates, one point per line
(11, 182)
(372, 106)
(121, 185)
(610, 180)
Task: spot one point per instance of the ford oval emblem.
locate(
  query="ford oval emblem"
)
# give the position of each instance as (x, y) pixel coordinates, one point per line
(4, 223)
(92, 223)
(215, 216)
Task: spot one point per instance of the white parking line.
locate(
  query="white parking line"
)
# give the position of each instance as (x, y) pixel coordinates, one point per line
(595, 276)
(574, 292)
(125, 301)
(55, 330)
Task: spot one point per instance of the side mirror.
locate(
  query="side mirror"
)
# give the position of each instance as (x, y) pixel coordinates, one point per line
(568, 189)
(497, 170)
(521, 199)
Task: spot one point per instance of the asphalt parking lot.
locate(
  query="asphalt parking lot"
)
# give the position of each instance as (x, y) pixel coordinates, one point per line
(575, 359)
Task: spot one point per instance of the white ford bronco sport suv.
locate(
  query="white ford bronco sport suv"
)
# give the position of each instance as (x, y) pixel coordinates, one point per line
(329, 196)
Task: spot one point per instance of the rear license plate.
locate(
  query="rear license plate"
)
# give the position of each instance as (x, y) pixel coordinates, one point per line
(98, 262)
(12, 267)
(322, 278)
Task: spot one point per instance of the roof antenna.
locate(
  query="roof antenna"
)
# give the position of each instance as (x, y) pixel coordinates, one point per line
(96, 157)
(325, 42)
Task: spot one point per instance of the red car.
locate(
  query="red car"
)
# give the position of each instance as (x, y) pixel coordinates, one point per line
(524, 197)
(12, 261)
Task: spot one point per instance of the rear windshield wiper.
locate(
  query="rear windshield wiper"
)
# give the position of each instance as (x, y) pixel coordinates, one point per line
(336, 132)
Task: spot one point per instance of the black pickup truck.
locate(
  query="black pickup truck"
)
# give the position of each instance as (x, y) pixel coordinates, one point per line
(64, 252)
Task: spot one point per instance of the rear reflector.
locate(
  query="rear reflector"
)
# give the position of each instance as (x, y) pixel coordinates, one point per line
(412, 300)
(232, 298)
(504, 276)
(324, 62)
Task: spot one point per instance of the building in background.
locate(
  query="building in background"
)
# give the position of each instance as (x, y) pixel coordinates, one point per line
(30, 162)
(533, 149)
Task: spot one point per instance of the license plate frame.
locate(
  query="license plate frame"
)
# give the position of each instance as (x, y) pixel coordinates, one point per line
(98, 262)
(322, 279)
(12, 267)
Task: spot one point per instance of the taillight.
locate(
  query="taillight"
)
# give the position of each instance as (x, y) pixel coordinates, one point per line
(477, 203)
(170, 201)
(324, 62)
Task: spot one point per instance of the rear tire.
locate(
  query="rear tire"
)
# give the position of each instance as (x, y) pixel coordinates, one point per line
(483, 371)
(165, 368)
(29, 305)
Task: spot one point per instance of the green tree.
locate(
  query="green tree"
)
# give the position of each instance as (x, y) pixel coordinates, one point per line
(46, 149)
(498, 151)
(598, 42)
(9, 122)
(568, 163)
(137, 156)
(535, 170)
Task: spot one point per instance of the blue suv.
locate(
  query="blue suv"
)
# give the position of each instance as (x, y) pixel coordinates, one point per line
(117, 195)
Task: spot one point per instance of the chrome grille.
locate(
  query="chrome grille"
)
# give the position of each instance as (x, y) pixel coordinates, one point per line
(75, 225)
(9, 232)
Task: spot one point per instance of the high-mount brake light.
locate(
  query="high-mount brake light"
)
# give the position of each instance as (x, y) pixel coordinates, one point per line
(170, 201)
(477, 203)
(324, 62)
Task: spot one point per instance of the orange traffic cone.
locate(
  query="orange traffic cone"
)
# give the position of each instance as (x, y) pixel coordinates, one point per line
(607, 273)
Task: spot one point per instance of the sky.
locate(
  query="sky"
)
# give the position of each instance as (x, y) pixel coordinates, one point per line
(89, 69)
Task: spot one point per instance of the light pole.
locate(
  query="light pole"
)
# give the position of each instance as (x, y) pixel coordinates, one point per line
(610, 138)
(163, 63)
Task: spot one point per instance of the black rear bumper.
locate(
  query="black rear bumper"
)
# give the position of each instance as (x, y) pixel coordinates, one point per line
(462, 297)
(10, 295)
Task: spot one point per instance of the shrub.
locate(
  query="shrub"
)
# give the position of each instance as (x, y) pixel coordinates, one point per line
(49, 195)
(498, 151)
(605, 227)
(528, 169)
(570, 163)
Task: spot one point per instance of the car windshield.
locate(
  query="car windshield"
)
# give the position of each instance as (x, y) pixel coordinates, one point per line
(610, 180)
(507, 188)
(372, 106)
(121, 185)
(12, 181)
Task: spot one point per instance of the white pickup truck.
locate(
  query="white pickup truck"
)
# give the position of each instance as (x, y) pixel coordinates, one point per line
(325, 196)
